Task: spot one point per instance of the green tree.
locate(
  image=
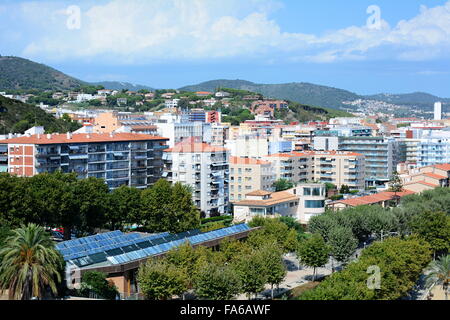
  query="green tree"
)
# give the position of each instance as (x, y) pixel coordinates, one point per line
(322, 224)
(29, 263)
(434, 227)
(159, 280)
(344, 189)
(251, 270)
(439, 274)
(400, 262)
(216, 282)
(95, 282)
(124, 207)
(169, 208)
(395, 185)
(342, 243)
(183, 104)
(275, 269)
(282, 185)
(313, 253)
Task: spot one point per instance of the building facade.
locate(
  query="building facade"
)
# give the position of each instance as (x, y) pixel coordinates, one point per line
(120, 159)
(247, 174)
(206, 169)
(336, 167)
(300, 203)
(380, 154)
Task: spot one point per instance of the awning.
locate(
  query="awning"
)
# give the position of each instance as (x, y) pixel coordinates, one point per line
(79, 157)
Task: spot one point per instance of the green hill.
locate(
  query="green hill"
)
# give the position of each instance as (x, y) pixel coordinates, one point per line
(305, 93)
(22, 74)
(16, 117)
(116, 85)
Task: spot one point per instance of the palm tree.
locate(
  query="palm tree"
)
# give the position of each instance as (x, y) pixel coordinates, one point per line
(439, 274)
(29, 263)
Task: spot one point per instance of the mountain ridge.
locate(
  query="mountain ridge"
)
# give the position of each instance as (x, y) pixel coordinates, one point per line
(21, 74)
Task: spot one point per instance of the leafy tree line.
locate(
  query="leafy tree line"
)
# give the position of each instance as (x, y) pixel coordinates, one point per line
(62, 200)
(399, 263)
(238, 267)
(426, 214)
(421, 224)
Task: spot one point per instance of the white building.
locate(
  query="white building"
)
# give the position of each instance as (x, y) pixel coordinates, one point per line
(301, 203)
(438, 111)
(206, 169)
(172, 103)
(177, 132)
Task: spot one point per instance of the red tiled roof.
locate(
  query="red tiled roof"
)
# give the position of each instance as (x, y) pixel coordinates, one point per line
(434, 175)
(250, 161)
(194, 147)
(80, 138)
(258, 193)
(275, 198)
(422, 182)
(316, 153)
(445, 166)
(376, 198)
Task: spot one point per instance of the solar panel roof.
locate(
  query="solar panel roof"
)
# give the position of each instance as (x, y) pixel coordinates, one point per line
(118, 248)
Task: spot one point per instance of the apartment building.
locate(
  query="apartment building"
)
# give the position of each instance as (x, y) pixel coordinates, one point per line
(247, 174)
(179, 131)
(3, 158)
(219, 134)
(381, 156)
(336, 167)
(121, 159)
(206, 169)
(426, 178)
(434, 150)
(302, 202)
(111, 121)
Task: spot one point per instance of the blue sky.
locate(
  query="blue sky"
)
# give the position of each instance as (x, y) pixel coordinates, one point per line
(171, 43)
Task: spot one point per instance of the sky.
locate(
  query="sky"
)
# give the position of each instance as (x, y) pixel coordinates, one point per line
(362, 46)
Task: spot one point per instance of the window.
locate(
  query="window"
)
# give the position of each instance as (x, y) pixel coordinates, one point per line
(316, 192)
(306, 191)
(314, 204)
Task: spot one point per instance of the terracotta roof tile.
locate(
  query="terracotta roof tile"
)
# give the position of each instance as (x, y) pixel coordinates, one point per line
(275, 198)
(444, 166)
(248, 161)
(80, 138)
(373, 199)
(194, 147)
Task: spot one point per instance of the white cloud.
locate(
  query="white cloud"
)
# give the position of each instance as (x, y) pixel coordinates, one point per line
(134, 31)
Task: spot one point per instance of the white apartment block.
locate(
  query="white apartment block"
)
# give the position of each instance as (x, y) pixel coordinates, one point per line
(247, 174)
(206, 169)
(179, 131)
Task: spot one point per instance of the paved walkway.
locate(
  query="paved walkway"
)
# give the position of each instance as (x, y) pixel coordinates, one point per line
(295, 277)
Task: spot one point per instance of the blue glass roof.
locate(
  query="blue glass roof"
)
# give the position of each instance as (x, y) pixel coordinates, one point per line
(119, 248)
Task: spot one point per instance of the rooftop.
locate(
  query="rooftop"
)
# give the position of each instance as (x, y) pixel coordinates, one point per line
(41, 139)
(247, 161)
(194, 147)
(316, 153)
(275, 198)
(445, 166)
(373, 199)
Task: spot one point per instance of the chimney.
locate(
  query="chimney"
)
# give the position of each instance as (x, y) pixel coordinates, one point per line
(49, 136)
(88, 136)
(69, 135)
